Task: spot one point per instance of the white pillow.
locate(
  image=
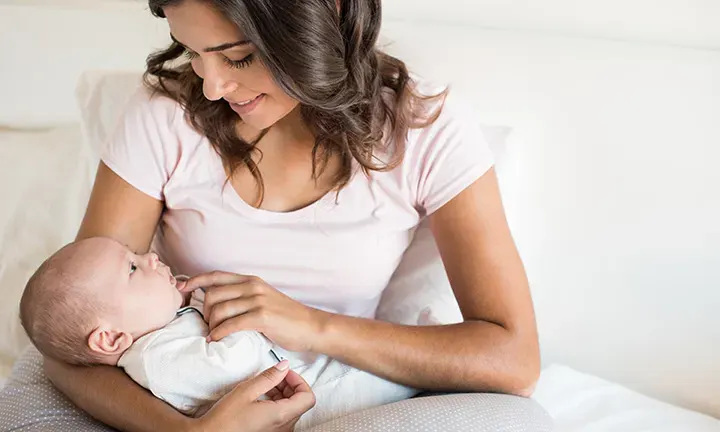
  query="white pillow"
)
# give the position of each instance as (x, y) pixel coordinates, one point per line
(419, 292)
(45, 181)
(101, 97)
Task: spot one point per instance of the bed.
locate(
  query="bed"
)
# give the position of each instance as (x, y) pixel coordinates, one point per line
(606, 153)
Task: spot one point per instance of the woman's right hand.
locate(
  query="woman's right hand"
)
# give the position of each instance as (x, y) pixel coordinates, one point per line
(240, 410)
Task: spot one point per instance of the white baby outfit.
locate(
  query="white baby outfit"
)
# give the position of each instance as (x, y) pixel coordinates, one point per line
(179, 366)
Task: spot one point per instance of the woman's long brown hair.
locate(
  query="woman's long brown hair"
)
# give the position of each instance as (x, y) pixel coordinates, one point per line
(351, 94)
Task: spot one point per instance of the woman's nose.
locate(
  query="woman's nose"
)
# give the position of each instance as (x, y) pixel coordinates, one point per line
(218, 82)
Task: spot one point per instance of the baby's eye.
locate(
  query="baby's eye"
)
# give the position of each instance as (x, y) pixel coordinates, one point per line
(133, 267)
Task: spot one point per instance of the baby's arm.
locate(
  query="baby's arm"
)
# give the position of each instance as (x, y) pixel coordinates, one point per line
(178, 365)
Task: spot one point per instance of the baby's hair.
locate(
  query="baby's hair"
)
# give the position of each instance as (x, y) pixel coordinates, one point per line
(57, 314)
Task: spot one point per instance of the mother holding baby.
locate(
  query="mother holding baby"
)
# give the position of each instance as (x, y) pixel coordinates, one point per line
(285, 161)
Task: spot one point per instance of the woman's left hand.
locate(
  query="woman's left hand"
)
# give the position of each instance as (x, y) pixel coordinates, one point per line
(236, 302)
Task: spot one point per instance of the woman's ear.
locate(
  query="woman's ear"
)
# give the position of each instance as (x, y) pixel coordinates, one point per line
(109, 342)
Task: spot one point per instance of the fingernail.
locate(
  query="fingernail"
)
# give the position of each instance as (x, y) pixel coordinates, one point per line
(209, 338)
(283, 365)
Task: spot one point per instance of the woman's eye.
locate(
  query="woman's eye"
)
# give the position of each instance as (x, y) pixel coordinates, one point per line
(190, 55)
(239, 64)
(133, 267)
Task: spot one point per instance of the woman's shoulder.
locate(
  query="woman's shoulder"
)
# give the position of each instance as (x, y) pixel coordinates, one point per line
(447, 152)
(148, 143)
(444, 119)
(440, 106)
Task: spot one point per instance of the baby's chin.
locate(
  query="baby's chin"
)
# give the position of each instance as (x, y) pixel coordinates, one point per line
(184, 299)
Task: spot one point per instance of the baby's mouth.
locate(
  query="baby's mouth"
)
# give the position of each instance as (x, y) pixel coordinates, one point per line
(179, 281)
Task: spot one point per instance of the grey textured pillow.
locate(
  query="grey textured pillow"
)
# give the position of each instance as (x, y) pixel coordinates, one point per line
(29, 403)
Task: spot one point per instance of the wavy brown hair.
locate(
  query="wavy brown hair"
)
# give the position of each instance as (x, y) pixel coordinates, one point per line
(351, 94)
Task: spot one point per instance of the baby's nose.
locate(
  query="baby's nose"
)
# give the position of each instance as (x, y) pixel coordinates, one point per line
(154, 260)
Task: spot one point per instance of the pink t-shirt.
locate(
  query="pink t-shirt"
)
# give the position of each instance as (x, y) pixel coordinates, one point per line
(335, 255)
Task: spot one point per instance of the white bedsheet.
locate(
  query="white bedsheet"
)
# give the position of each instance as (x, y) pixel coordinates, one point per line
(581, 402)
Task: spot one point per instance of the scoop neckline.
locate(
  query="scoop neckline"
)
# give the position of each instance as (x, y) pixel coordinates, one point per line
(231, 196)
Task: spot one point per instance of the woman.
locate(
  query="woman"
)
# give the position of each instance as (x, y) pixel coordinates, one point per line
(292, 156)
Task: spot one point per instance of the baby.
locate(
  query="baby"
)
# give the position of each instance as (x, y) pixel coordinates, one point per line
(96, 302)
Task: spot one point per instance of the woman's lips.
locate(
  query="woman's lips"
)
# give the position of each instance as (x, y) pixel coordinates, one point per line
(247, 107)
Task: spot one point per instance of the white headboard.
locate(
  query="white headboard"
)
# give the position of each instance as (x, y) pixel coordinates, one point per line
(46, 44)
(611, 180)
(46, 48)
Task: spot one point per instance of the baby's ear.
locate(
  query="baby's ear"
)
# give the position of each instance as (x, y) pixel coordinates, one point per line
(109, 342)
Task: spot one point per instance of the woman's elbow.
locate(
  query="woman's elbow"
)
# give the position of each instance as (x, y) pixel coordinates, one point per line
(525, 367)
(526, 387)
(518, 366)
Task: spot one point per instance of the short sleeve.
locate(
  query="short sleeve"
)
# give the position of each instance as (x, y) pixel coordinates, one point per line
(144, 147)
(447, 157)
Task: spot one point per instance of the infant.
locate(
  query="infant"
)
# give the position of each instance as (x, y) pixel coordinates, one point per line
(96, 302)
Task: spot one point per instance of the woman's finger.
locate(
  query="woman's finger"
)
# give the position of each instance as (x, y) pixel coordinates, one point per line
(247, 321)
(297, 383)
(264, 382)
(221, 294)
(301, 397)
(217, 313)
(216, 278)
(274, 394)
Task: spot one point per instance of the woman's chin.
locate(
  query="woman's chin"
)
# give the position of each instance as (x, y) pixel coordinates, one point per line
(257, 122)
(267, 115)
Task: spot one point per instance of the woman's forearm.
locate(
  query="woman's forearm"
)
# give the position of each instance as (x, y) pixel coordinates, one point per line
(472, 356)
(110, 396)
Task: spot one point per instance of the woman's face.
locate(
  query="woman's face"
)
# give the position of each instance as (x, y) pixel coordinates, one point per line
(228, 64)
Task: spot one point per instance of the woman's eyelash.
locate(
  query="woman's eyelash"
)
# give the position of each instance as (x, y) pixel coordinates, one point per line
(236, 64)
(133, 267)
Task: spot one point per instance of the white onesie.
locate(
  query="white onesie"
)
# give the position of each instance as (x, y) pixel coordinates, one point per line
(179, 366)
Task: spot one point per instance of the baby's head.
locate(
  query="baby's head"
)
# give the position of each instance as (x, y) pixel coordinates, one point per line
(93, 298)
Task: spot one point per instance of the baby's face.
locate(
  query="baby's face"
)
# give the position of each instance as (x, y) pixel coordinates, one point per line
(139, 289)
(147, 291)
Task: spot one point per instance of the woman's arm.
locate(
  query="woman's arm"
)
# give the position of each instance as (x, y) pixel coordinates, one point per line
(495, 349)
(119, 211)
(130, 408)
(108, 395)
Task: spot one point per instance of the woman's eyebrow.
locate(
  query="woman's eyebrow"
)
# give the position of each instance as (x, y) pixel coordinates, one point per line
(218, 48)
